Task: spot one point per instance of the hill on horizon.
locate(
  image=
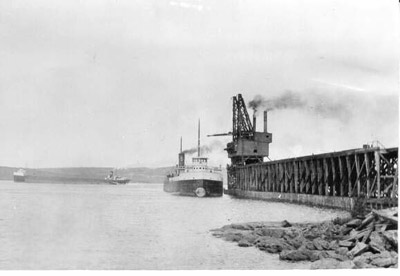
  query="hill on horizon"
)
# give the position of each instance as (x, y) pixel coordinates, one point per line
(86, 174)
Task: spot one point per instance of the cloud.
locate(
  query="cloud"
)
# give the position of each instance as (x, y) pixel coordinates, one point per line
(346, 86)
(188, 5)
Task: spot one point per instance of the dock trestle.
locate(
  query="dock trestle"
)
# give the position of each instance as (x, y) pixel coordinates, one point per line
(369, 174)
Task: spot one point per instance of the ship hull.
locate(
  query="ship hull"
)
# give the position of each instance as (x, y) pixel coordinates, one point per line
(118, 181)
(195, 187)
(19, 178)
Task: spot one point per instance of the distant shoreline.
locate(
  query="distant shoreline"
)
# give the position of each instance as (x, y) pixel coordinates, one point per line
(89, 175)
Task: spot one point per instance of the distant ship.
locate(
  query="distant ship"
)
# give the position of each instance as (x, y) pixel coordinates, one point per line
(19, 176)
(197, 179)
(115, 180)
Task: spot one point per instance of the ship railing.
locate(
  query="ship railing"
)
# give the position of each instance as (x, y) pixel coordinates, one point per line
(199, 167)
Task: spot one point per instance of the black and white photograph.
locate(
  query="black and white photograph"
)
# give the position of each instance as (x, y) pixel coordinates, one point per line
(199, 135)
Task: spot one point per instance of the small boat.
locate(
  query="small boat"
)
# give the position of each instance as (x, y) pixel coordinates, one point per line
(19, 176)
(116, 180)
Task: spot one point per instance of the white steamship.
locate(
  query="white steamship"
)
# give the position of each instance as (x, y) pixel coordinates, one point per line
(197, 179)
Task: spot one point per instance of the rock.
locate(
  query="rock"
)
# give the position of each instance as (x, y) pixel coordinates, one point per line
(342, 251)
(377, 242)
(308, 245)
(391, 237)
(272, 245)
(321, 244)
(363, 258)
(384, 262)
(336, 256)
(295, 242)
(358, 249)
(345, 230)
(353, 233)
(244, 243)
(298, 255)
(250, 238)
(232, 236)
(384, 254)
(354, 223)
(271, 232)
(317, 244)
(333, 245)
(331, 255)
(360, 264)
(394, 254)
(242, 226)
(285, 223)
(346, 265)
(345, 243)
(332, 263)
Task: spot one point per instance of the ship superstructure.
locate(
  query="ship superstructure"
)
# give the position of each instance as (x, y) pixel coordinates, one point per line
(19, 176)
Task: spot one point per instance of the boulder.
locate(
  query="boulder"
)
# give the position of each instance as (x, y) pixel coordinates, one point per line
(308, 245)
(285, 223)
(391, 237)
(298, 255)
(342, 250)
(384, 262)
(358, 249)
(242, 226)
(354, 223)
(271, 232)
(377, 242)
(363, 258)
(321, 244)
(272, 245)
(296, 242)
(250, 238)
(384, 254)
(244, 243)
(333, 245)
(330, 254)
(345, 244)
(232, 236)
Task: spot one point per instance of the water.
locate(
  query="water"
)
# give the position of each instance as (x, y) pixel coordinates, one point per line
(134, 226)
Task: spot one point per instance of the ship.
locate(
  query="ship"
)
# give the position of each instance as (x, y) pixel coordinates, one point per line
(197, 179)
(116, 180)
(19, 176)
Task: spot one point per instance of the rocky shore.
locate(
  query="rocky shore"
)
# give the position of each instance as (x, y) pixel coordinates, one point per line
(369, 242)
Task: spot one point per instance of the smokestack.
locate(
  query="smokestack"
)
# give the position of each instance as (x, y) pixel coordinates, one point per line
(254, 122)
(181, 157)
(265, 121)
(198, 141)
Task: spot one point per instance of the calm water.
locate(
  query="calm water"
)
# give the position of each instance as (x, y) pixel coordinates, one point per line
(134, 226)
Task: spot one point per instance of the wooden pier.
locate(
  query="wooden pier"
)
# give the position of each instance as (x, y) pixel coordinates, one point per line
(368, 175)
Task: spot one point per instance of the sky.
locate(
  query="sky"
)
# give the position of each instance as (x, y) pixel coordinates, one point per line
(117, 83)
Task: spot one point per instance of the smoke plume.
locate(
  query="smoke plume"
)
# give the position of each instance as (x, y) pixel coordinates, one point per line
(328, 105)
(206, 149)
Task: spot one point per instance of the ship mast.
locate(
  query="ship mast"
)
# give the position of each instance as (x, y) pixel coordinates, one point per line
(198, 140)
(181, 144)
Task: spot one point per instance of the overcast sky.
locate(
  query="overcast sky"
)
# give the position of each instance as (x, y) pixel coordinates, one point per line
(116, 83)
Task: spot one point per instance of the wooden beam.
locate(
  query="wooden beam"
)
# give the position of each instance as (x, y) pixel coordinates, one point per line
(378, 172)
(296, 176)
(341, 176)
(326, 176)
(350, 190)
(357, 160)
(333, 176)
(367, 168)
